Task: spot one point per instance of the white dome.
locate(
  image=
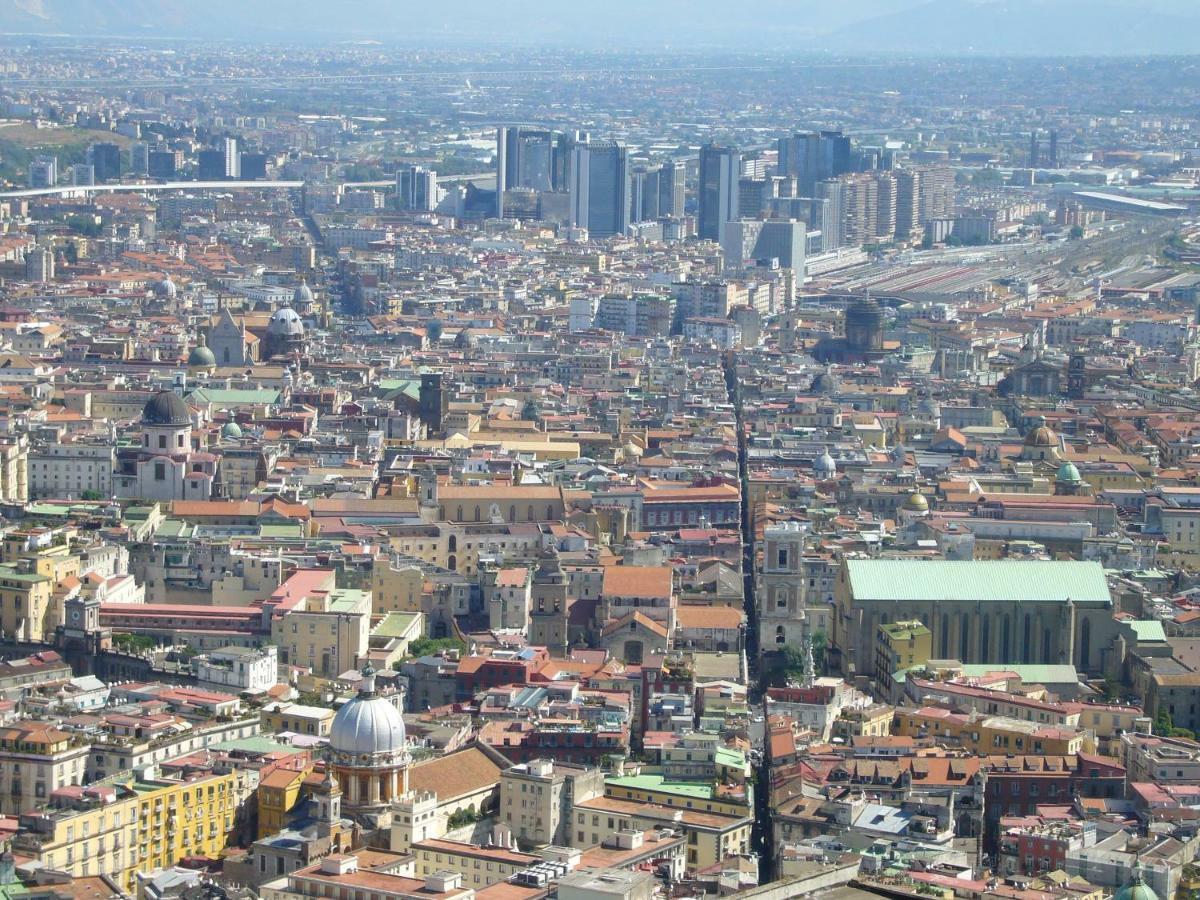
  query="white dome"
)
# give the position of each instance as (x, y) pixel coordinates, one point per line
(825, 465)
(368, 730)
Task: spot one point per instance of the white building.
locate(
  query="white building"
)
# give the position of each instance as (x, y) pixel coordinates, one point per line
(240, 669)
(68, 471)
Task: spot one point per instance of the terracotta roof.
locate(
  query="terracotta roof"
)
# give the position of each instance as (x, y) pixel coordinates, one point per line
(708, 617)
(637, 581)
(462, 772)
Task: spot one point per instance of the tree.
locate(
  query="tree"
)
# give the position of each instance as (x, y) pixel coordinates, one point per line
(1075, 233)
(819, 644)
(1163, 724)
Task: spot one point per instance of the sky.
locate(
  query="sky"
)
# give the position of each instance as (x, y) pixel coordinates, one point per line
(899, 26)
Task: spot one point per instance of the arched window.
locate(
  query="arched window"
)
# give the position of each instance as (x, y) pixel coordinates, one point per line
(476, 513)
(1045, 645)
(945, 636)
(1005, 639)
(452, 544)
(964, 637)
(452, 562)
(1027, 640)
(779, 635)
(985, 638)
(1085, 644)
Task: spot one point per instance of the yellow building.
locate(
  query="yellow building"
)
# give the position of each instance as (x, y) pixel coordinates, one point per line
(701, 796)
(122, 827)
(25, 607)
(37, 759)
(900, 645)
(279, 790)
(398, 588)
(328, 631)
(989, 734)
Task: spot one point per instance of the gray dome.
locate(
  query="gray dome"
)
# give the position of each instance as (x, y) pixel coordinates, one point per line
(201, 357)
(303, 295)
(166, 288)
(166, 408)
(231, 430)
(368, 729)
(286, 323)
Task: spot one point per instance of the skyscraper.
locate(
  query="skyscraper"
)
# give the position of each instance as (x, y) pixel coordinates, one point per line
(814, 156)
(139, 157)
(531, 158)
(720, 170)
(416, 189)
(210, 165)
(162, 164)
(600, 189)
(671, 189)
(233, 159)
(43, 172)
(1035, 157)
(105, 160)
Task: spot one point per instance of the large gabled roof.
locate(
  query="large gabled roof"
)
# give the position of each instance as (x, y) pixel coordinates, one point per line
(1031, 581)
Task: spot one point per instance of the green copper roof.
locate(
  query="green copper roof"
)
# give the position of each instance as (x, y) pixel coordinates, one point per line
(1005, 580)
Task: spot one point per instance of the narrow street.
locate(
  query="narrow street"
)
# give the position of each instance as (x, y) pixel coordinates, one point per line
(760, 838)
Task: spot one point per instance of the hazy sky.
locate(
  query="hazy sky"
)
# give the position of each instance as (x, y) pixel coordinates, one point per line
(933, 26)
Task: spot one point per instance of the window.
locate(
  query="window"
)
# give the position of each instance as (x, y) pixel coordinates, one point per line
(160, 471)
(162, 442)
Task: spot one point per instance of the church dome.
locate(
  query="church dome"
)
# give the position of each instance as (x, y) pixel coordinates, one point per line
(1041, 436)
(916, 503)
(231, 430)
(824, 466)
(1137, 889)
(201, 357)
(285, 323)
(166, 288)
(166, 408)
(368, 729)
(303, 295)
(825, 382)
(1068, 473)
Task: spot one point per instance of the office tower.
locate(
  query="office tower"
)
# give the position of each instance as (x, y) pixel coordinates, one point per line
(1034, 154)
(39, 265)
(254, 166)
(908, 203)
(643, 195)
(43, 172)
(83, 175)
(885, 206)
(139, 158)
(762, 240)
(105, 160)
(671, 189)
(811, 157)
(233, 159)
(210, 165)
(416, 189)
(831, 191)
(1054, 147)
(752, 196)
(600, 188)
(533, 158)
(720, 169)
(161, 164)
